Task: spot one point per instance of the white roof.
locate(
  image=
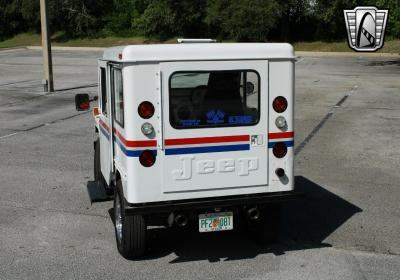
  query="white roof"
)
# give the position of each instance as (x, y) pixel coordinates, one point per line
(199, 51)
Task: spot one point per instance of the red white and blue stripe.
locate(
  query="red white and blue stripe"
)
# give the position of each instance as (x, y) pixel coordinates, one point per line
(179, 146)
(285, 137)
(128, 147)
(213, 144)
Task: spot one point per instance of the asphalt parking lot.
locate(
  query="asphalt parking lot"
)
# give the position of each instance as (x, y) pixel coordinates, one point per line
(347, 163)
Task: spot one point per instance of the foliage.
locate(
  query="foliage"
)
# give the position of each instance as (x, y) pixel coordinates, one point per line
(168, 18)
(158, 20)
(119, 20)
(393, 26)
(11, 20)
(242, 20)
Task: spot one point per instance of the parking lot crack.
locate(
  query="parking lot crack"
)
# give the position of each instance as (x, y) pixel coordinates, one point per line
(323, 121)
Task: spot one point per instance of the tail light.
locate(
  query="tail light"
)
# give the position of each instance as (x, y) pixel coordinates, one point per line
(84, 105)
(147, 158)
(82, 102)
(280, 104)
(279, 149)
(146, 110)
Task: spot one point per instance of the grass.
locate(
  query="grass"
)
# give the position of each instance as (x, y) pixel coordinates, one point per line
(25, 39)
(28, 39)
(106, 42)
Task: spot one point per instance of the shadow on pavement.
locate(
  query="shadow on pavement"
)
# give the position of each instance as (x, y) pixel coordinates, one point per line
(306, 224)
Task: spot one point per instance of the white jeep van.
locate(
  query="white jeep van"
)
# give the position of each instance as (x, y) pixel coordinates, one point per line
(194, 133)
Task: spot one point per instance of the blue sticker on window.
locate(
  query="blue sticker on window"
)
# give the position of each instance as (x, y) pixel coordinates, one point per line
(215, 116)
(190, 122)
(240, 119)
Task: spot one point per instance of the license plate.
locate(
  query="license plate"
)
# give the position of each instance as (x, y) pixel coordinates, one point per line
(215, 221)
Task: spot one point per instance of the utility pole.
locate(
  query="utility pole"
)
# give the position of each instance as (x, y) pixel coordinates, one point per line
(46, 47)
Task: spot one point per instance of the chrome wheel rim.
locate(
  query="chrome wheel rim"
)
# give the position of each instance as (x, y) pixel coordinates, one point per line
(118, 218)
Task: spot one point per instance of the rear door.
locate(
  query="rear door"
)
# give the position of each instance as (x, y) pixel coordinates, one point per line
(214, 125)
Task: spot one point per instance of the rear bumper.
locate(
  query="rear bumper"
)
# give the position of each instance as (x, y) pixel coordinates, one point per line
(210, 202)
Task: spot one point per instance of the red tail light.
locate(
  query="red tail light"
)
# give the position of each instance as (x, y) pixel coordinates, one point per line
(84, 105)
(146, 110)
(280, 104)
(147, 158)
(279, 149)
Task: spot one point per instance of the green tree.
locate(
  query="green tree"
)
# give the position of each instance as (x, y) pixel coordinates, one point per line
(11, 19)
(242, 20)
(82, 18)
(158, 20)
(393, 24)
(168, 18)
(30, 11)
(296, 20)
(329, 15)
(119, 19)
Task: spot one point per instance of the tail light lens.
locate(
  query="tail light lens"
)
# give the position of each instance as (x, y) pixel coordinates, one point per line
(280, 104)
(84, 105)
(146, 110)
(82, 102)
(147, 158)
(279, 149)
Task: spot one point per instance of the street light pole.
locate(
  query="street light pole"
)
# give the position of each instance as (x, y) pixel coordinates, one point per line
(46, 47)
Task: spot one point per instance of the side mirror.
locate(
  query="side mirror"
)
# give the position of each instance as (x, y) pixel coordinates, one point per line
(82, 102)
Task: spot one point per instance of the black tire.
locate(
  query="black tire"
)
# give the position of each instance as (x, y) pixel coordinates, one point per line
(98, 177)
(131, 238)
(96, 164)
(267, 228)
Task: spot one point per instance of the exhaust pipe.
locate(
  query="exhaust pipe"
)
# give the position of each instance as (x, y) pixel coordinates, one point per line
(253, 213)
(181, 220)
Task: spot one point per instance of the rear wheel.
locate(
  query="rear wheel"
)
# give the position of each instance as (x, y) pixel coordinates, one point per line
(130, 231)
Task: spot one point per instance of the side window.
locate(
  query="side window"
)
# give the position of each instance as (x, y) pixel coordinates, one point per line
(103, 81)
(118, 94)
(214, 98)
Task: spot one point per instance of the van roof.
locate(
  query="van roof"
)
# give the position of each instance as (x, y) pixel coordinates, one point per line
(204, 51)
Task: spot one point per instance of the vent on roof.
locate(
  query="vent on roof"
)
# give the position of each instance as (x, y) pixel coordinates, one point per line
(182, 40)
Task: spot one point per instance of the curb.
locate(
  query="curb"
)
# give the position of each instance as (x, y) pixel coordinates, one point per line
(12, 49)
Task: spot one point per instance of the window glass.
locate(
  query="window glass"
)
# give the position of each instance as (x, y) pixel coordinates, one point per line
(103, 81)
(118, 97)
(214, 98)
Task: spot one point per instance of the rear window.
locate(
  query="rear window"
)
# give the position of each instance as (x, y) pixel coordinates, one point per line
(200, 99)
